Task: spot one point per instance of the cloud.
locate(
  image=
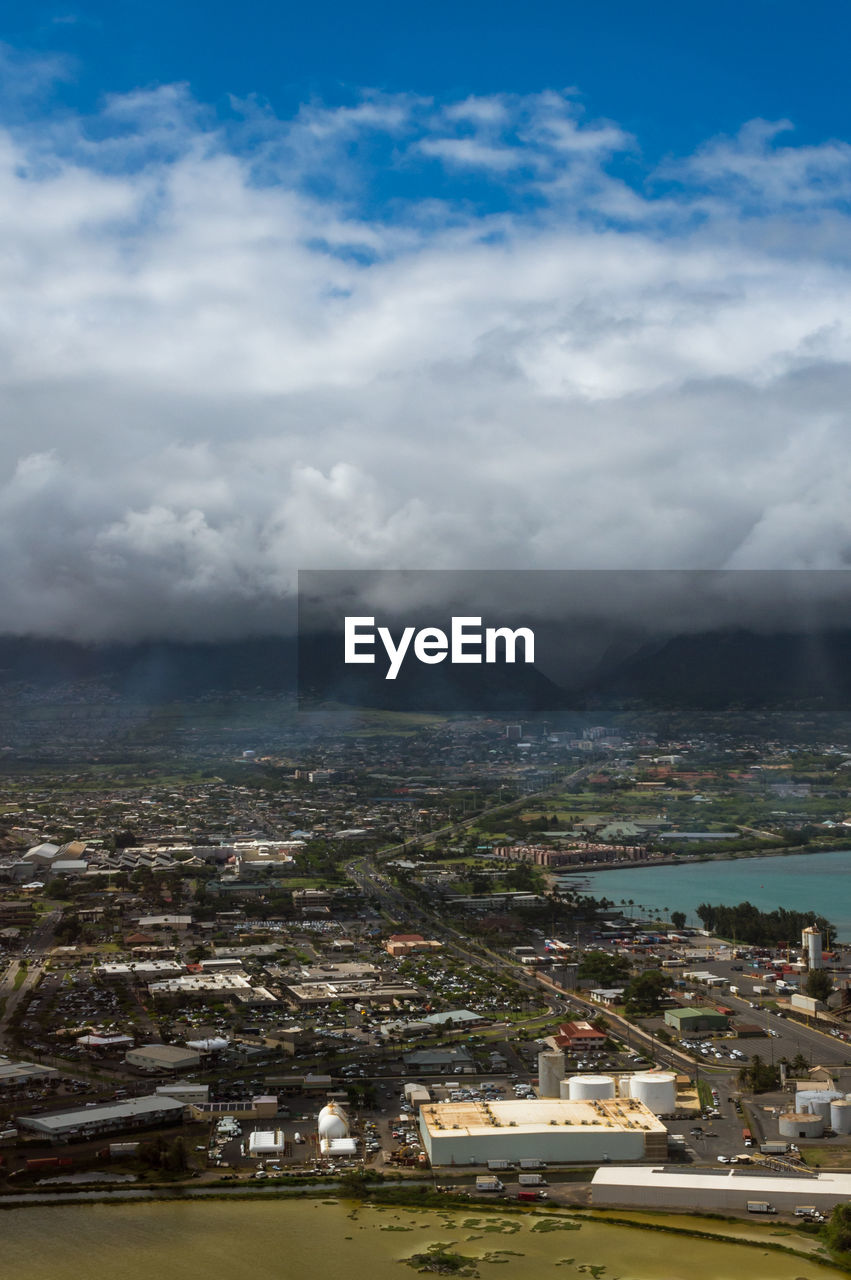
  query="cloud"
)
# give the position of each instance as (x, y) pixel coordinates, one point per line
(403, 332)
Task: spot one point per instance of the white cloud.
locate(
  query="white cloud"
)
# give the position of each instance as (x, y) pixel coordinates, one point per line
(229, 349)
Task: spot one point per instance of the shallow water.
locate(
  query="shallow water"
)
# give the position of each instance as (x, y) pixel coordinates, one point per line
(321, 1240)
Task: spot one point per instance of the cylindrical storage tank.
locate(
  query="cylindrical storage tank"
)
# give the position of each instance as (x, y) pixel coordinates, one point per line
(816, 1101)
(656, 1089)
(801, 1124)
(550, 1073)
(811, 938)
(564, 1089)
(590, 1088)
(840, 1117)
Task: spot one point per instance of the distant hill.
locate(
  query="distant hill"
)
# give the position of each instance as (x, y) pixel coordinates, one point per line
(707, 671)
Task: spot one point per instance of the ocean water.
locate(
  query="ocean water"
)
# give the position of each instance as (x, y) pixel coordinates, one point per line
(817, 882)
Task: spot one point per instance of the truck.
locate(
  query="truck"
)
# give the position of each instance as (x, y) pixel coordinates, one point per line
(531, 1180)
(532, 1164)
(499, 1165)
(808, 1211)
(760, 1206)
(485, 1182)
(774, 1148)
(531, 1197)
(747, 1137)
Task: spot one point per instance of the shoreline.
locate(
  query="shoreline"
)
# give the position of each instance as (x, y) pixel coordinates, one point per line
(680, 860)
(709, 1228)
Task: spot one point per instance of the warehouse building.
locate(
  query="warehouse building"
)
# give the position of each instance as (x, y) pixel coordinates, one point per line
(113, 1117)
(162, 1057)
(712, 1192)
(687, 1022)
(556, 1130)
(16, 1075)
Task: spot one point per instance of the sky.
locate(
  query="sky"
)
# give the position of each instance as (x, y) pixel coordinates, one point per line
(539, 286)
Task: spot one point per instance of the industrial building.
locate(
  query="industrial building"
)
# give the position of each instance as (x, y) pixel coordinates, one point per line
(113, 1117)
(555, 1130)
(688, 1021)
(15, 1075)
(266, 1142)
(162, 1057)
(729, 1190)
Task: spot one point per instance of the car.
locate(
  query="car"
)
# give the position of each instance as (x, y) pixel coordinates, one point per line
(723, 1159)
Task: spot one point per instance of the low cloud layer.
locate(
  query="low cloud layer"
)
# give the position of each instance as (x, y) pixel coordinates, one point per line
(403, 333)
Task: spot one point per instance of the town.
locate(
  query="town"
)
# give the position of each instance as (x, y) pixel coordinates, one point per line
(369, 953)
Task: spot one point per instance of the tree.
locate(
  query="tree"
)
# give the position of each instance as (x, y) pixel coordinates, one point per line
(759, 1076)
(678, 919)
(818, 984)
(603, 969)
(837, 1233)
(644, 993)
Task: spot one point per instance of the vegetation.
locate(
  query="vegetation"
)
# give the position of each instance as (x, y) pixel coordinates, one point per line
(603, 969)
(442, 1261)
(643, 994)
(837, 1232)
(746, 923)
(818, 984)
(759, 1076)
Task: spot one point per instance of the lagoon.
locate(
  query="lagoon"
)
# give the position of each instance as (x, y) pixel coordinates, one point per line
(818, 882)
(317, 1239)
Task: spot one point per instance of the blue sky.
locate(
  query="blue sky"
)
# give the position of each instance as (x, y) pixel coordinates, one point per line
(469, 286)
(673, 72)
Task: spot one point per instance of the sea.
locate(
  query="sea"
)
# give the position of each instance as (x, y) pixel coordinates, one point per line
(811, 882)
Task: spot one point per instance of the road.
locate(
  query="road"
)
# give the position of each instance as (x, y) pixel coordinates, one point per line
(39, 943)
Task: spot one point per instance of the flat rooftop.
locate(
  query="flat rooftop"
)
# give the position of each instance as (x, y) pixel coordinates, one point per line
(113, 1112)
(759, 1186)
(533, 1115)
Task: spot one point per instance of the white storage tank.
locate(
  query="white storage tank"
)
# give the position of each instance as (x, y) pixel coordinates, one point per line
(840, 1116)
(801, 1124)
(550, 1073)
(656, 1089)
(811, 942)
(817, 1102)
(564, 1089)
(590, 1088)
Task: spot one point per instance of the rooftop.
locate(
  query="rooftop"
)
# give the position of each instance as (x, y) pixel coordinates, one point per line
(532, 1115)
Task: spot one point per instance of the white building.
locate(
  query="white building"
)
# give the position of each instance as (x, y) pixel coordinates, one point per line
(728, 1189)
(266, 1142)
(556, 1130)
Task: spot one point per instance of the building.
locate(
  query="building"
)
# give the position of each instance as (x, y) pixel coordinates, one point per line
(406, 944)
(114, 1117)
(576, 1037)
(16, 1075)
(725, 1190)
(555, 1130)
(162, 1057)
(266, 1142)
(687, 1022)
(454, 1058)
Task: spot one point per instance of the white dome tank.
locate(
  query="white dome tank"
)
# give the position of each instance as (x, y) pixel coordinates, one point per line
(840, 1117)
(550, 1073)
(332, 1123)
(800, 1124)
(590, 1088)
(656, 1089)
